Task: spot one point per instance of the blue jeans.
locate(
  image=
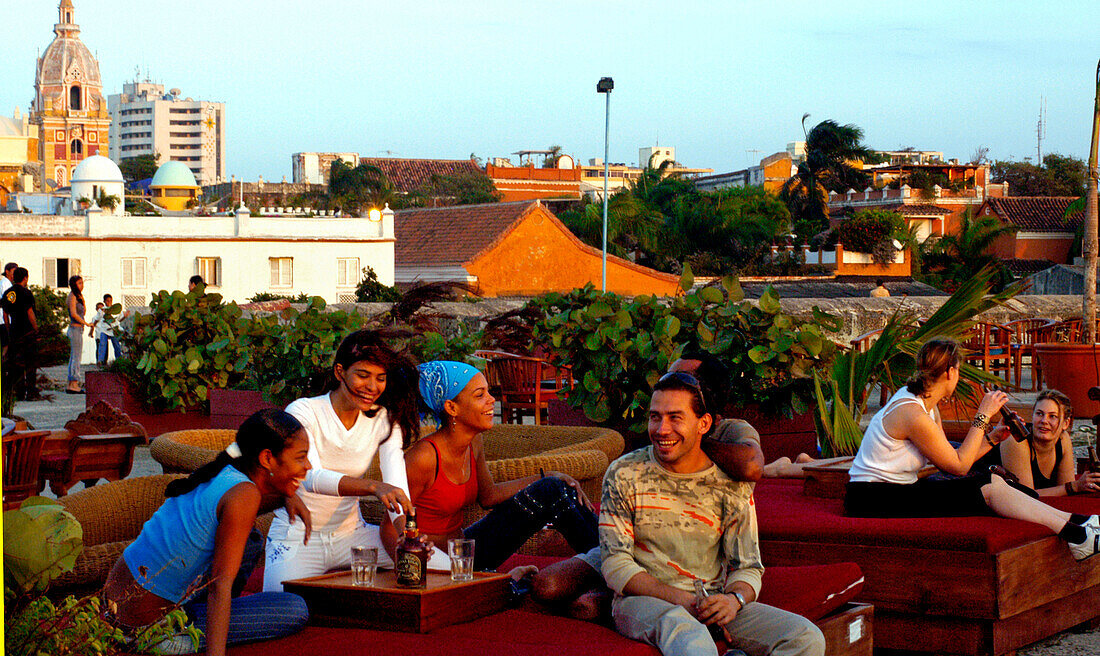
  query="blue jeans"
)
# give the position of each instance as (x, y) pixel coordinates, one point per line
(101, 348)
(509, 524)
(76, 351)
(261, 616)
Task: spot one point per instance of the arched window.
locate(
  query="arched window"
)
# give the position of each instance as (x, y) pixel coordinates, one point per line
(76, 147)
(75, 97)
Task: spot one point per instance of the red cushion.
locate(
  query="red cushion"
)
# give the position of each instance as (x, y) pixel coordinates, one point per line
(785, 514)
(513, 632)
(812, 591)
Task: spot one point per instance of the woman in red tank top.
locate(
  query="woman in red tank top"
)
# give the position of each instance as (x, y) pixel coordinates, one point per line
(447, 472)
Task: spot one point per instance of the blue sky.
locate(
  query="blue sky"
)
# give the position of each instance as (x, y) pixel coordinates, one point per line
(713, 79)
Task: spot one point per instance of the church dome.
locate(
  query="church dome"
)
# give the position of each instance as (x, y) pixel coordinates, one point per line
(97, 168)
(173, 174)
(67, 59)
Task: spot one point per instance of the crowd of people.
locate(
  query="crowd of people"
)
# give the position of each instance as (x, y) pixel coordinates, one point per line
(671, 515)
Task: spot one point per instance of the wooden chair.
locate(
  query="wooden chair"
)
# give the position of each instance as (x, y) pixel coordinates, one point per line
(1023, 346)
(22, 451)
(492, 374)
(990, 348)
(99, 443)
(527, 385)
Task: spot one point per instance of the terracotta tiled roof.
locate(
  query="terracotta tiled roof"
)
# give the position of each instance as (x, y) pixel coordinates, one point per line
(409, 174)
(1027, 267)
(914, 209)
(1037, 213)
(848, 287)
(448, 236)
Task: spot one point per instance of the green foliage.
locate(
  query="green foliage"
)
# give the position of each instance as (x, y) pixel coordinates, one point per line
(466, 188)
(872, 231)
(355, 188)
(1060, 175)
(842, 391)
(263, 297)
(830, 149)
(458, 346)
(618, 347)
(958, 257)
(41, 541)
(53, 320)
(370, 290)
(137, 168)
(107, 201)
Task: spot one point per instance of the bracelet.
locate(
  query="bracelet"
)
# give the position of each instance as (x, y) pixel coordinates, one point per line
(980, 423)
(1069, 489)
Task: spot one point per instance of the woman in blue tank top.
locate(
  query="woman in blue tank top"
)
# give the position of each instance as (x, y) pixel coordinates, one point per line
(189, 552)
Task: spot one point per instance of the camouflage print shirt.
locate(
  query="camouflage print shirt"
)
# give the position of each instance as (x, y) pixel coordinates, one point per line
(677, 527)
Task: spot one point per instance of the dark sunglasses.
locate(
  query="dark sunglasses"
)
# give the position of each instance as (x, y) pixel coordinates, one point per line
(690, 381)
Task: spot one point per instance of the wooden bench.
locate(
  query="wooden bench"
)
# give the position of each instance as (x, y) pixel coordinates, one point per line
(99, 443)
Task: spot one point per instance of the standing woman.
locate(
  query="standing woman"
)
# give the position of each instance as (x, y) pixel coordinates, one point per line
(1044, 462)
(447, 472)
(371, 409)
(907, 433)
(198, 537)
(77, 324)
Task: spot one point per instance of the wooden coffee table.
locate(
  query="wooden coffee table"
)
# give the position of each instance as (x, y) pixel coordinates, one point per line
(334, 601)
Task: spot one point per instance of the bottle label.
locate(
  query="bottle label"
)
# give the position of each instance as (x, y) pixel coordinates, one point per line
(409, 569)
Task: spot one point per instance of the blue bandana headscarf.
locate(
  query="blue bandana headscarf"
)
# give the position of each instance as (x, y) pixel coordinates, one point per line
(441, 381)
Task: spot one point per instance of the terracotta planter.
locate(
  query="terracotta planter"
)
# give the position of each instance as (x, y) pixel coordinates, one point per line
(229, 408)
(114, 389)
(1072, 369)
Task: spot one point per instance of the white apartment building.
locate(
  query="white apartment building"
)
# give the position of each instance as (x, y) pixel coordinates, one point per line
(314, 168)
(145, 121)
(132, 257)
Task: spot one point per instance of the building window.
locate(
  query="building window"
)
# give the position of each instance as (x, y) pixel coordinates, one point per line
(76, 147)
(133, 273)
(210, 268)
(282, 271)
(347, 272)
(75, 98)
(56, 271)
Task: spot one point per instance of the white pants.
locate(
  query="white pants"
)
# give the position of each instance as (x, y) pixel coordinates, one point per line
(287, 558)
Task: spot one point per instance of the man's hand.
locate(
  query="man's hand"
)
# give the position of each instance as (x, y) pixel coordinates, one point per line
(296, 508)
(717, 609)
(575, 484)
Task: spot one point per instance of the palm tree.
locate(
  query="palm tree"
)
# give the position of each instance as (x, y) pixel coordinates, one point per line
(959, 256)
(831, 149)
(1090, 242)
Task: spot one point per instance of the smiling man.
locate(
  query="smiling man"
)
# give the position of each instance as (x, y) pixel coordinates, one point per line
(670, 517)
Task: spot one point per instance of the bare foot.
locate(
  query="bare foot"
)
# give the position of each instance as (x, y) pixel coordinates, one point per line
(522, 572)
(803, 458)
(773, 469)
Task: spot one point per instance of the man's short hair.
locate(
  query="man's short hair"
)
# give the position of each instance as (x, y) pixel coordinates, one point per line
(9, 266)
(196, 280)
(20, 275)
(879, 282)
(682, 381)
(713, 376)
(107, 296)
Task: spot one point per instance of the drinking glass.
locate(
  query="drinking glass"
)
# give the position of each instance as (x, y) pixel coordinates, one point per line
(462, 559)
(364, 563)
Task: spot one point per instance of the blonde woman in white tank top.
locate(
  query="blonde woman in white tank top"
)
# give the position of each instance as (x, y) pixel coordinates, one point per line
(907, 433)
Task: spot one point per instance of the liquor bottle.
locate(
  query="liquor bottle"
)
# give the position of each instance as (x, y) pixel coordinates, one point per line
(411, 567)
(701, 593)
(1020, 430)
(1094, 462)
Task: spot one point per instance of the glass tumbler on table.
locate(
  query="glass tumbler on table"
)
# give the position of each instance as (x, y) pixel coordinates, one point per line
(364, 563)
(462, 559)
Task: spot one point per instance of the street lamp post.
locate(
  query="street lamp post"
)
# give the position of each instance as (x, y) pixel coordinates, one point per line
(604, 86)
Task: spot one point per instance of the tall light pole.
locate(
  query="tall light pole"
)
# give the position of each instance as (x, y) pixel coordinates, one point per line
(604, 86)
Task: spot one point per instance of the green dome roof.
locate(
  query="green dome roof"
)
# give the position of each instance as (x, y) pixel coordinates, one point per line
(173, 174)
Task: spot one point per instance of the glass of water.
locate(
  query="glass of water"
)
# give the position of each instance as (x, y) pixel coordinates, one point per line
(364, 563)
(462, 559)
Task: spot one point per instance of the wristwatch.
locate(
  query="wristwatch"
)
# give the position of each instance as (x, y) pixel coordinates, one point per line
(740, 598)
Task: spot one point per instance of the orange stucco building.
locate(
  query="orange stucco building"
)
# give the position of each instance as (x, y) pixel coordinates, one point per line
(1043, 232)
(509, 249)
(531, 182)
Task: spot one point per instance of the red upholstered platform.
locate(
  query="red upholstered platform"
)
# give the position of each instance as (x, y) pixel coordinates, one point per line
(965, 585)
(815, 592)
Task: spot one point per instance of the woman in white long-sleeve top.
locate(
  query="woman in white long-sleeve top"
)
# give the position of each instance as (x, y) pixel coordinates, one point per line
(371, 410)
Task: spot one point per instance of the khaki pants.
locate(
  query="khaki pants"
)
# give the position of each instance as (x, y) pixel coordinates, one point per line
(758, 629)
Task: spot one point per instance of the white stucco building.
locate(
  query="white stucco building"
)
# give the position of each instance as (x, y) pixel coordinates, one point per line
(98, 176)
(131, 257)
(145, 121)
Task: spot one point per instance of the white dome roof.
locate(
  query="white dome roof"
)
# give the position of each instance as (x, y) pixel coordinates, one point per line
(97, 168)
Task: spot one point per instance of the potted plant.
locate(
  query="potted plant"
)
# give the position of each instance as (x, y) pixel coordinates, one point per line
(1074, 367)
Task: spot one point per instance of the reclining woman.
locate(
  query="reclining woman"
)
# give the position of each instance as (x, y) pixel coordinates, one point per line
(907, 433)
(1044, 462)
(214, 508)
(372, 408)
(447, 472)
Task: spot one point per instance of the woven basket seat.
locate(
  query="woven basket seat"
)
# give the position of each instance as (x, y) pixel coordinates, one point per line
(182, 452)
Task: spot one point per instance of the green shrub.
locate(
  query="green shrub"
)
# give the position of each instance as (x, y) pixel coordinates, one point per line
(262, 297)
(370, 290)
(872, 231)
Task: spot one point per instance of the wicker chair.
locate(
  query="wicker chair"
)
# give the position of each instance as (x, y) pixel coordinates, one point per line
(182, 452)
(112, 515)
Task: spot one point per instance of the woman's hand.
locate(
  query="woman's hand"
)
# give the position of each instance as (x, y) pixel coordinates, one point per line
(572, 482)
(296, 508)
(1086, 482)
(393, 498)
(999, 434)
(991, 403)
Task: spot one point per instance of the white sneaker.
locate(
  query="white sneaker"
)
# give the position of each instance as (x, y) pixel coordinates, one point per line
(1091, 545)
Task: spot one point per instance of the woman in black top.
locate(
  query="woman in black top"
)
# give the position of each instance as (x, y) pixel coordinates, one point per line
(1044, 462)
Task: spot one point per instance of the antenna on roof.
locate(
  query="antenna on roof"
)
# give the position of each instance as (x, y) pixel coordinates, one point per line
(1040, 131)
